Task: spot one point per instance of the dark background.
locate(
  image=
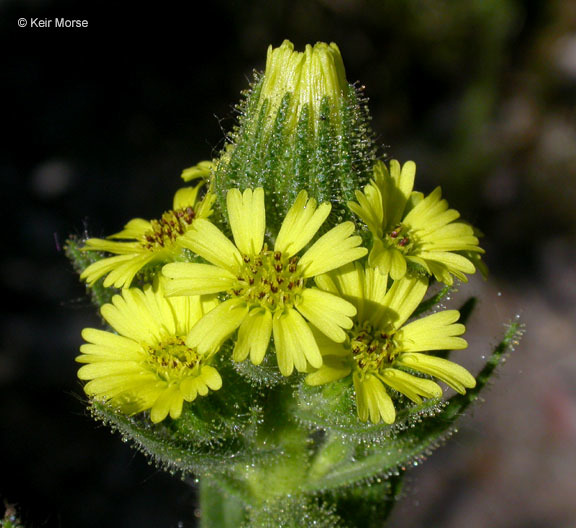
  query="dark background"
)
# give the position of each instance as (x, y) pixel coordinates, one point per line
(97, 125)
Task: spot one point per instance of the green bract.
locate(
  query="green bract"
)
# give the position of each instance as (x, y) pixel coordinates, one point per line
(302, 126)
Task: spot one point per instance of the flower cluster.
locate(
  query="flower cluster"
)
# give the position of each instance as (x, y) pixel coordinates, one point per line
(299, 285)
(328, 313)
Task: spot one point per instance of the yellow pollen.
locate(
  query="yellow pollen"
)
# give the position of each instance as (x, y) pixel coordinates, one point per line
(172, 359)
(171, 225)
(270, 280)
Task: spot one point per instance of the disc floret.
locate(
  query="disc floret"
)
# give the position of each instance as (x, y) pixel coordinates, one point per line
(270, 280)
(164, 232)
(171, 359)
(372, 349)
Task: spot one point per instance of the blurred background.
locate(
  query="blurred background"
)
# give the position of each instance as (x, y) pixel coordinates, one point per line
(98, 123)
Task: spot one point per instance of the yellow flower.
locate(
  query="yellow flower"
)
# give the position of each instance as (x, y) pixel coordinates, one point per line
(410, 228)
(147, 364)
(143, 242)
(383, 353)
(266, 290)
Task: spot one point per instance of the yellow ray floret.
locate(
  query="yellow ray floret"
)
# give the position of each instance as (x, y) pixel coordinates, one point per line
(267, 291)
(408, 227)
(383, 354)
(147, 365)
(144, 242)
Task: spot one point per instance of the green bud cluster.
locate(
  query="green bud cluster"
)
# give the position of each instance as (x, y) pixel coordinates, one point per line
(301, 126)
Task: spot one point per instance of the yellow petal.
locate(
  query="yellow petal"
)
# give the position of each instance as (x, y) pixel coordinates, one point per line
(190, 278)
(401, 300)
(126, 265)
(206, 240)
(130, 316)
(350, 281)
(112, 246)
(122, 274)
(453, 261)
(201, 170)
(133, 230)
(189, 388)
(334, 368)
(201, 387)
(426, 210)
(100, 369)
(204, 207)
(253, 336)
(301, 223)
(107, 341)
(400, 186)
(215, 327)
(389, 261)
(176, 406)
(372, 400)
(332, 250)
(115, 384)
(397, 265)
(328, 282)
(163, 404)
(186, 312)
(411, 386)
(211, 377)
(186, 197)
(247, 219)
(329, 347)
(369, 208)
(327, 312)
(433, 332)
(375, 285)
(449, 372)
(294, 342)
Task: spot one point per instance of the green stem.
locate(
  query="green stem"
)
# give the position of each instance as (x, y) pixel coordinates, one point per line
(219, 509)
(334, 451)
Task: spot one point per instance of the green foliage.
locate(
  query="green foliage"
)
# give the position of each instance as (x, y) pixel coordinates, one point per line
(369, 504)
(293, 512)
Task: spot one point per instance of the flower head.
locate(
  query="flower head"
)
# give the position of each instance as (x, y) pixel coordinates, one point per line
(383, 353)
(408, 227)
(147, 364)
(143, 242)
(267, 290)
